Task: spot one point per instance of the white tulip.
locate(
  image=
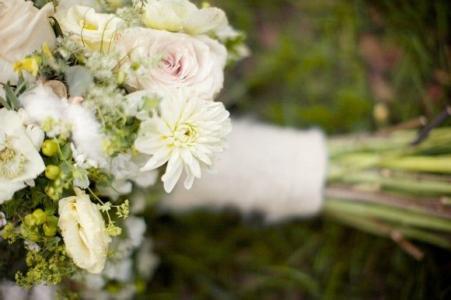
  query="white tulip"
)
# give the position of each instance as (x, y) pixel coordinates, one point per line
(84, 232)
(24, 29)
(20, 162)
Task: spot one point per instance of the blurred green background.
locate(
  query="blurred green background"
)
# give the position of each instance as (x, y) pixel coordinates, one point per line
(345, 66)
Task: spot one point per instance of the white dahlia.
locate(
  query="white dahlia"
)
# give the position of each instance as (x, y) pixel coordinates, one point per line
(185, 133)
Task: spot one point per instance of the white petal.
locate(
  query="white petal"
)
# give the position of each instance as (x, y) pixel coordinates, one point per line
(173, 172)
(157, 160)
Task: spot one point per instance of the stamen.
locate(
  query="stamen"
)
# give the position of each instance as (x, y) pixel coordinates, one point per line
(12, 164)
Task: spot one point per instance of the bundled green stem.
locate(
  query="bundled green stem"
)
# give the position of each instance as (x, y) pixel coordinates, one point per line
(385, 185)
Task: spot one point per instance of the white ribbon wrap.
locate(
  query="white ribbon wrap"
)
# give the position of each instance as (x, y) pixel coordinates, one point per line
(277, 171)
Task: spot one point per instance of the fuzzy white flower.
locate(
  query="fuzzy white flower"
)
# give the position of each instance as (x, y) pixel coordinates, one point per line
(186, 133)
(24, 29)
(41, 104)
(86, 133)
(176, 60)
(84, 233)
(182, 16)
(20, 162)
(96, 31)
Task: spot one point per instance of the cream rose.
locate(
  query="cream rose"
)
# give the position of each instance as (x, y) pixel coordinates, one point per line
(182, 16)
(23, 29)
(94, 30)
(169, 60)
(84, 232)
(66, 4)
(20, 161)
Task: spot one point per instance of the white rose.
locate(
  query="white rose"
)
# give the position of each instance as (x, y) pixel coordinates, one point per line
(20, 162)
(24, 29)
(94, 30)
(169, 61)
(182, 16)
(84, 232)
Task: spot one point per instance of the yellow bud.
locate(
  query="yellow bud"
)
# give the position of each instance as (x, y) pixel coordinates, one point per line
(28, 64)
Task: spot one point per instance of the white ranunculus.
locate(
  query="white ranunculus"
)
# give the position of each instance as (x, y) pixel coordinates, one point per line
(182, 16)
(20, 162)
(169, 61)
(84, 232)
(96, 31)
(23, 29)
(186, 134)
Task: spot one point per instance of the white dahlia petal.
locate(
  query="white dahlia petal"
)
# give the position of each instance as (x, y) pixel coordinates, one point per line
(186, 133)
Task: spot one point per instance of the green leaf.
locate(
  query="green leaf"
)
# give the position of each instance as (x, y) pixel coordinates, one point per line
(11, 98)
(56, 27)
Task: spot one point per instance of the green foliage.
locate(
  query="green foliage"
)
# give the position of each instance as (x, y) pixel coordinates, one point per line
(328, 63)
(11, 93)
(223, 256)
(51, 265)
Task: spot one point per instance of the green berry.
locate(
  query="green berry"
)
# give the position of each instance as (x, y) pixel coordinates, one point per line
(52, 172)
(49, 229)
(30, 220)
(52, 220)
(29, 260)
(49, 148)
(40, 216)
(33, 236)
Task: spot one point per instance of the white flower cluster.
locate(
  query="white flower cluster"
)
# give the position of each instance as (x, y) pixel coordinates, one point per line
(106, 106)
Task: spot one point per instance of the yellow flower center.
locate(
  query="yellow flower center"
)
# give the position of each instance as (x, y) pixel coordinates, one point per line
(12, 164)
(185, 135)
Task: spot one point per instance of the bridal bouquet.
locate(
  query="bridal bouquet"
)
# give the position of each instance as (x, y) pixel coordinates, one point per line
(96, 98)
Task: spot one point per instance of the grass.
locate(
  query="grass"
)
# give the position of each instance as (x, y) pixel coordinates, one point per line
(225, 256)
